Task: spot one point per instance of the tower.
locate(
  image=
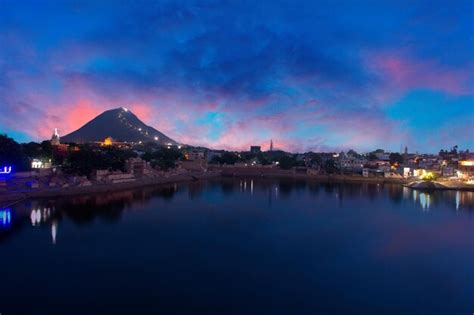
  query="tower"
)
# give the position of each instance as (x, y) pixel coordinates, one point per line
(271, 145)
(55, 137)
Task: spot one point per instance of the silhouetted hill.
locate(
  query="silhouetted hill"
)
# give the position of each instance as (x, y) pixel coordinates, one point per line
(120, 124)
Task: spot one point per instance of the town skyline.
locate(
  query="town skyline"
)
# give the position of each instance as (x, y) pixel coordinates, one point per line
(311, 76)
(152, 138)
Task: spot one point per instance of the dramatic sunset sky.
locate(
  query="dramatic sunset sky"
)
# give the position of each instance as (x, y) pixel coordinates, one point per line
(311, 75)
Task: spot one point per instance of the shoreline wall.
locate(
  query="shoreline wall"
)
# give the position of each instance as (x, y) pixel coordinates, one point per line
(7, 198)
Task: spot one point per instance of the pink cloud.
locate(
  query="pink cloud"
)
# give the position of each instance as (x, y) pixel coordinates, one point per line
(402, 72)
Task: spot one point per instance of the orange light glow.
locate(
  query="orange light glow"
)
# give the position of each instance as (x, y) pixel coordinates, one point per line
(107, 141)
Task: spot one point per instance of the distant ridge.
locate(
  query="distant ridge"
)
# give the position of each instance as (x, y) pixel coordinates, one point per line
(120, 124)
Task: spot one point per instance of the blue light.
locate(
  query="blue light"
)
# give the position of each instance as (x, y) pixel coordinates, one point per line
(6, 170)
(5, 217)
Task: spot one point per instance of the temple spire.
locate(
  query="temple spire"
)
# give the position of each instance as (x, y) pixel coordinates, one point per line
(55, 140)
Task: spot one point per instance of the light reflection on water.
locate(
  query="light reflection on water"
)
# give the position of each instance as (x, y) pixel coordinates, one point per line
(42, 212)
(217, 242)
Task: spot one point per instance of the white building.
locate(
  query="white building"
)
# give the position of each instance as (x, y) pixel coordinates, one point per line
(37, 163)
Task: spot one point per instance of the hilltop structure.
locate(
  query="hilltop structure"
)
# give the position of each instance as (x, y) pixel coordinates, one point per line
(55, 140)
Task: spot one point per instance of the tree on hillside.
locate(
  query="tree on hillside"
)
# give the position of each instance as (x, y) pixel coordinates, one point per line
(316, 159)
(352, 153)
(286, 162)
(163, 158)
(372, 156)
(330, 166)
(263, 158)
(88, 159)
(12, 154)
(32, 149)
(396, 157)
(167, 158)
(83, 162)
(229, 158)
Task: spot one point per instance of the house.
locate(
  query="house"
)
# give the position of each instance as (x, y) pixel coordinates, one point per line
(465, 169)
(194, 155)
(351, 162)
(137, 166)
(448, 171)
(38, 163)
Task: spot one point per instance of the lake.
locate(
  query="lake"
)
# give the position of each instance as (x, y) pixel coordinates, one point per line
(241, 246)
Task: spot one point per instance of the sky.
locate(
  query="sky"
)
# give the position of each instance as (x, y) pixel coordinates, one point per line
(311, 75)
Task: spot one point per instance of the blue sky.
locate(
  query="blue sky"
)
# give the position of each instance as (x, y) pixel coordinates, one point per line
(311, 75)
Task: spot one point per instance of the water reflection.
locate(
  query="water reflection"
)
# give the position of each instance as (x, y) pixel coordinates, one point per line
(458, 199)
(109, 207)
(39, 215)
(5, 218)
(54, 230)
(188, 242)
(425, 201)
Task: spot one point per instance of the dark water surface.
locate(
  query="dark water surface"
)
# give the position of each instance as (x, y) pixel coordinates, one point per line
(241, 247)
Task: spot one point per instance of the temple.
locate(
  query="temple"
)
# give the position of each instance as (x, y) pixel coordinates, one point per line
(55, 138)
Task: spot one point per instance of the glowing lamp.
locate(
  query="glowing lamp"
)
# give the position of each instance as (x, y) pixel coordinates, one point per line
(427, 176)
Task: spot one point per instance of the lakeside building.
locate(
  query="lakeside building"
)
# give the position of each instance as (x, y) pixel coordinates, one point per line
(39, 163)
(383, 156)
(466, 170)
(351, 162)
(195, 154)
(137, 167)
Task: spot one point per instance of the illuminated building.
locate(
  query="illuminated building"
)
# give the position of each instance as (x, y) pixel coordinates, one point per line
(107, 141)
(36, 163)
(406, 172)
(466, 170)
(467, 163)
(195, 155)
